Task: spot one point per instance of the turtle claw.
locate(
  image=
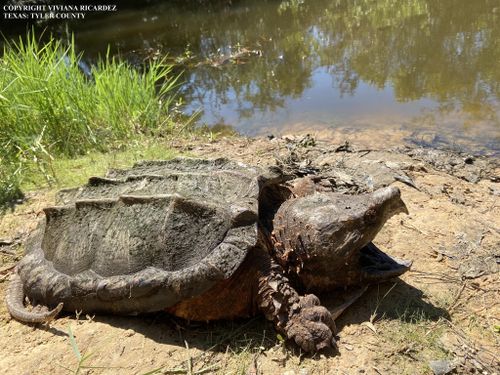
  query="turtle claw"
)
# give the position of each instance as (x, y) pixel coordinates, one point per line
(311, 309)
(319, 314)
(310, 335)
(313, 327)
(309, 300)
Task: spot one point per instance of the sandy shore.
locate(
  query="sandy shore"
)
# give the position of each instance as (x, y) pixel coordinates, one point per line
(445, 309)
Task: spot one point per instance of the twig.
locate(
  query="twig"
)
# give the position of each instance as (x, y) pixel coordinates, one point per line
(6, 242)
(409, 226)
(447, 279)
(175, 371)
(488, 225)
(206, 369)
(472, 347)
(457, 297)
(187, 371)
(253, 369)
(7, 268)
(189, 361)
(365, 152)
(8, 252)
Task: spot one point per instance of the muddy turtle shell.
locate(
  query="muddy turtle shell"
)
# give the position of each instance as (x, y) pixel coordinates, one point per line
(142, 239)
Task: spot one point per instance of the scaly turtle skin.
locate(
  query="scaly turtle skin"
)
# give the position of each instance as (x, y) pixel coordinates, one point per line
(204, 240)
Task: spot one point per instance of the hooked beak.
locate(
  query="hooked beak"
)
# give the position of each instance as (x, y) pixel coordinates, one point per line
(390, 198)
(376, 265)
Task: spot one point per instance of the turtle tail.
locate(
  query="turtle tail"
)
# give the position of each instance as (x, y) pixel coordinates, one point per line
(15, 304)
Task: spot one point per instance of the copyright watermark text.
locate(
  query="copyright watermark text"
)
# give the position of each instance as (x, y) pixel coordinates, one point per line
(61, 12)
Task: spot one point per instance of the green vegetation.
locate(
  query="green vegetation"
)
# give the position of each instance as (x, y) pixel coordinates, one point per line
(413, 344)
(49, 109)
(73, 172)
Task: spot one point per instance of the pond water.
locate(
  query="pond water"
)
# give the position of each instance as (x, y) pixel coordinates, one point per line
(431, 68)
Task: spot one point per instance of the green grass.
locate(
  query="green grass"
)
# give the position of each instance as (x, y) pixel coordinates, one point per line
(49, 110)
(82, 359)
(73, 172)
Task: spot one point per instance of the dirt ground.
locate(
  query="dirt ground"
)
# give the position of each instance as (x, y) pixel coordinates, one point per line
(441, 317)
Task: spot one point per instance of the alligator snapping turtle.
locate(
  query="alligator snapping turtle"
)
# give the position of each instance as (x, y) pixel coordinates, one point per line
(204, 240)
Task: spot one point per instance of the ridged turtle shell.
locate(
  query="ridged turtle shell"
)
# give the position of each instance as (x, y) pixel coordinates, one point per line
(142, 239)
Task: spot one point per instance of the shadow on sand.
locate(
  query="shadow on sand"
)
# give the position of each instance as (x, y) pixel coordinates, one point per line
(395, 300)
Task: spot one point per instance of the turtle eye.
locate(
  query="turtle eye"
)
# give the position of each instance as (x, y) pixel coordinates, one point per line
(370, 216)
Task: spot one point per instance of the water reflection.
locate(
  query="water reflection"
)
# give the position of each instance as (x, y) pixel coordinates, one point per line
(426, 64)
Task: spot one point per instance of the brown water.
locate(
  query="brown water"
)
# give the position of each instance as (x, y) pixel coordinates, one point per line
(424, 66)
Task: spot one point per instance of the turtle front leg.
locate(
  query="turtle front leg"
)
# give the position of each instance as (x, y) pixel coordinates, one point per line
(301, 319)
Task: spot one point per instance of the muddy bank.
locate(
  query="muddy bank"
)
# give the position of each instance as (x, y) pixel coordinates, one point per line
(446, 309)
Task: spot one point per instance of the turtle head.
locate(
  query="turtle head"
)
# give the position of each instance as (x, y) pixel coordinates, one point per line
(322, 237)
